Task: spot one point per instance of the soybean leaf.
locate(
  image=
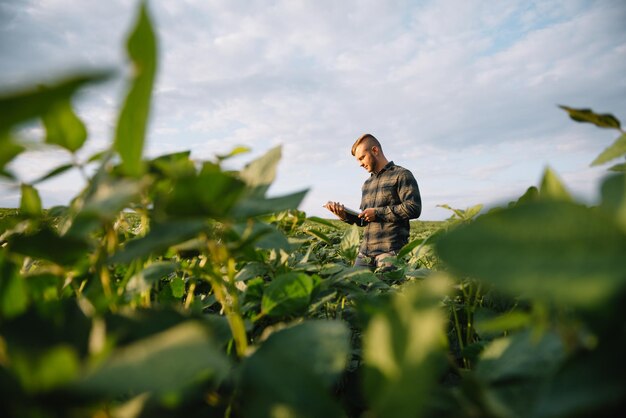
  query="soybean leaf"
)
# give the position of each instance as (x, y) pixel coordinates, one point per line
(288, 294)
(521, 356)
(531, 194)
(261, 235)
(210, 194)
(154, 272)
(551, 250)
(404, 350)
(161, 363)
(63, 127)
(8, 150)
(30, 204)
(617, 149)
(159, 239)
(613, 192)
(516, 368)
(587, 115)
(34, 102)
(173, 165)
(319, 234)
(13, 290)
(104, 202)
(552, 187)
(620, 168)
(409, 247)
(46, 244)
(133, 119)
(46, 369)
(588, 384)
(250, 206)
(322, 221)
(55, 172)
(349, 246)
(294, 370)
(234, 152)
(260, 173)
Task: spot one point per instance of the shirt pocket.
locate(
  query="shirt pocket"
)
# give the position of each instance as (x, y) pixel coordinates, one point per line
(387, 195)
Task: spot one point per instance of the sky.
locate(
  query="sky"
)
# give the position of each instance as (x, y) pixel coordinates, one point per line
(464, 93)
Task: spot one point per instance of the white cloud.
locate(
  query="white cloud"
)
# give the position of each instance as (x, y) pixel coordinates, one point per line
(464, 93)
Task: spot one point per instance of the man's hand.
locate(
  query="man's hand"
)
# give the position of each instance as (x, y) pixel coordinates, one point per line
(336, 208)
(368, 214)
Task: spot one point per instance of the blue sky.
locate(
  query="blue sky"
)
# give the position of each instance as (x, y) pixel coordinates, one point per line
(462, 92)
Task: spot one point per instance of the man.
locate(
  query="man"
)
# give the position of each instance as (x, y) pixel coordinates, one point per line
(390, 197)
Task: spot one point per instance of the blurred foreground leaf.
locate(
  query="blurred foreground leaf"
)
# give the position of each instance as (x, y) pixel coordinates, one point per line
(63, 127)
(404, 350)
(291, 374)
(556, 251)
(31, 103)
(133, 119)
(160, 363)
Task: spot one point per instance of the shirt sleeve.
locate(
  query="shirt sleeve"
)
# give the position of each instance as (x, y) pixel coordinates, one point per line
(410, 206)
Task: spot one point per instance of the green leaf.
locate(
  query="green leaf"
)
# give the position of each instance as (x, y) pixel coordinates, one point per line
(589, 384)
(319, 234)
(287, 294)
(619, 168)
(552, 187)
(506, 322)
(260, 173)
(531, 194)
(161, 363)
(133, 119)
(8, 150)
(63, 127)
(234, 152)
(550, 250)
(293, 371)
(30, 204)
(161, 237)
(409, 247)
(178, 287)
(617, 149)
(42, 371)
(173, 165)
(250, 206)
(322, 221)
(145, 279)
(210, 194)
(522, 355)
(55, 172)
(349, 246)
(613, 192)
(404, 350)
(107, 197)
(47, 245)
(13, 291)
(31, 103)
(587, 115)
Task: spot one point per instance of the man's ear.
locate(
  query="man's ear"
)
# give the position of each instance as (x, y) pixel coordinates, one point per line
(375, 150)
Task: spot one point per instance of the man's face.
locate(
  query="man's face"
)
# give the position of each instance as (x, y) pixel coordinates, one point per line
(365, 157)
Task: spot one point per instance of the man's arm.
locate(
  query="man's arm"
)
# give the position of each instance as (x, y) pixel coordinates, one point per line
(410, 206)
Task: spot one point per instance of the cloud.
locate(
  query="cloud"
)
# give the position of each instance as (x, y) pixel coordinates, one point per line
(463, 93)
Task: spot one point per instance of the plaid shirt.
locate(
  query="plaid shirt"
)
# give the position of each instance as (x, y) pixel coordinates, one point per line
(394, 194)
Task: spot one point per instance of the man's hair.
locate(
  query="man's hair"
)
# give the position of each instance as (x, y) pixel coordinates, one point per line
(369, 141)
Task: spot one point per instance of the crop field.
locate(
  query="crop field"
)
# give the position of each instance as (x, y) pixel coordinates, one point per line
(169, 287)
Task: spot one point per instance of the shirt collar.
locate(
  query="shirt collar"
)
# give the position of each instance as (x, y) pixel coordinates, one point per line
(386, 167)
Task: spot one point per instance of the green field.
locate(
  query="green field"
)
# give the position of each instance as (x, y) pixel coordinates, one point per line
(170, 287)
